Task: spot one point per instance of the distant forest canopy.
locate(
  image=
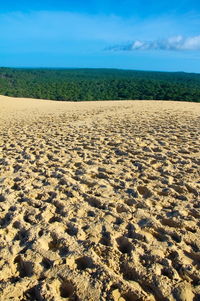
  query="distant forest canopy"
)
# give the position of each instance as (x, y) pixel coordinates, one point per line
(99, 84)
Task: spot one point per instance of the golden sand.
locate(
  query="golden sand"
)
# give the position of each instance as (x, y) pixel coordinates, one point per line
(99, 200)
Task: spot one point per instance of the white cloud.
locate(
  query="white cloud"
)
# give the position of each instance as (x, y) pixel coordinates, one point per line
(56, 31)
(173, 43)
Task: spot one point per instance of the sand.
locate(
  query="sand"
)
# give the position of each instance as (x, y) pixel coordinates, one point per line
(99, 200)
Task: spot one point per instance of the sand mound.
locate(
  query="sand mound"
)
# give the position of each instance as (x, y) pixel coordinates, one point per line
(99, 201)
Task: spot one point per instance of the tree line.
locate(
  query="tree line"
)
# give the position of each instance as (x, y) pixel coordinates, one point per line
(99, 84)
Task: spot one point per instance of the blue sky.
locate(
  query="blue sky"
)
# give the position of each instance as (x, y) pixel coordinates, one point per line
(142, 35)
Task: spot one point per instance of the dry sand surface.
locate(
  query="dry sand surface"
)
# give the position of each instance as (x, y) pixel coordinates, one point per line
(99, 200)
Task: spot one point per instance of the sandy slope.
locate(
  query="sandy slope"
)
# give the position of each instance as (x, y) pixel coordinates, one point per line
(99, 200)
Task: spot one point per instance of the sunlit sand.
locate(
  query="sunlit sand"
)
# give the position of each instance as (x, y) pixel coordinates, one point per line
(99, 200)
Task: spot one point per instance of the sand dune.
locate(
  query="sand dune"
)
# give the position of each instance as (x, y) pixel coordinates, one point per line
(99, 200)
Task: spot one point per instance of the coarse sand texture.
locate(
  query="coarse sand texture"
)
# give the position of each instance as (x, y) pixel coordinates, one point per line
(99, 200)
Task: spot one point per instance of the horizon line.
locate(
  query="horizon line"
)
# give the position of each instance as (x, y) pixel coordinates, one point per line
(95, 68)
